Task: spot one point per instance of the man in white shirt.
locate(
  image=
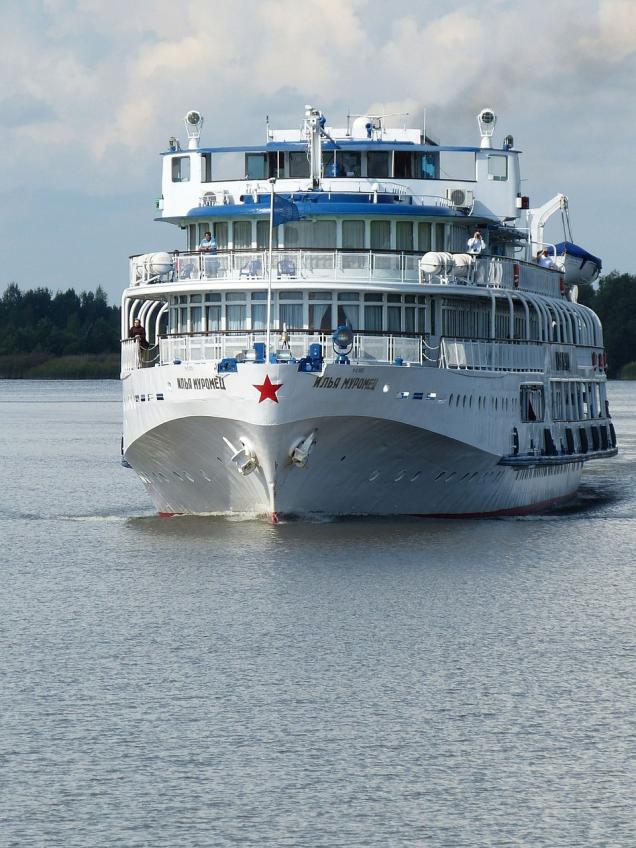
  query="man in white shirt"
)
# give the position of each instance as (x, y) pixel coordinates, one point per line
(475, 247)
(476, 244)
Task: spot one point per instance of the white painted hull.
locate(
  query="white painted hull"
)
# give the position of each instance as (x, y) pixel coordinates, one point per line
(376, 452)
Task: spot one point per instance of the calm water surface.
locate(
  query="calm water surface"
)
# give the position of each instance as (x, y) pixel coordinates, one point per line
(204, 682)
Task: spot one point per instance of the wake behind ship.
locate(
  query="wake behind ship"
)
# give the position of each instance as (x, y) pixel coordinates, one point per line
(350, 330)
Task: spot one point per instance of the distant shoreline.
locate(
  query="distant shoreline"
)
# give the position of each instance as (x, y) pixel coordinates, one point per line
(42, 366)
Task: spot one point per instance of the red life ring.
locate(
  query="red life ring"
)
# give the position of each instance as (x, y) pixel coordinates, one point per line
(562, 285)
(594, 358)
(516, 274)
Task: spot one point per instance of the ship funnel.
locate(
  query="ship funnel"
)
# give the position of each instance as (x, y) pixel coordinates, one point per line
(193, 123)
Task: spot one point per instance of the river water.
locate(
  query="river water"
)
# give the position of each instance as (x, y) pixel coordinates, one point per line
(211, 682)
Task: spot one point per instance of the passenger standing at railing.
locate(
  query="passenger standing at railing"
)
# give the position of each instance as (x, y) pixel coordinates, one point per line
(476, 246)
(207, 244)
(138, 332)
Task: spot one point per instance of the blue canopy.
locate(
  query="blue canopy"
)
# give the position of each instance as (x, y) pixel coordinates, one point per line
(575, 250)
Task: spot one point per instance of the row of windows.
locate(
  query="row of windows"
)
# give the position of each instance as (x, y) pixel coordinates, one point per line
(575, 400)
(320, 311)
(374, 164)
(330, 234)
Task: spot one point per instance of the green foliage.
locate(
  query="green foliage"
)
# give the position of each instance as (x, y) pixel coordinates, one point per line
(628, 372)
(63, 324)
(615, 304)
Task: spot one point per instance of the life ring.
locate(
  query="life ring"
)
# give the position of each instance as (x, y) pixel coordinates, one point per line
(562, 285)
(594, 358)
(516, 273)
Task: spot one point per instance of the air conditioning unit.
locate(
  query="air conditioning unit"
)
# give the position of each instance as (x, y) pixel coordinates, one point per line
(460, 197)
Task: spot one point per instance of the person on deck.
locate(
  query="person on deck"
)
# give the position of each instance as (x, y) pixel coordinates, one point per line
(207, 243)
(475, 247)
(137, 331)
(544, 260)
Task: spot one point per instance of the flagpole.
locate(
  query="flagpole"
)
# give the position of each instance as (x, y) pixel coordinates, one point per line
(272, 182)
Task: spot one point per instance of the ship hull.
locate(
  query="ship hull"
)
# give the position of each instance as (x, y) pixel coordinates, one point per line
(358, 465)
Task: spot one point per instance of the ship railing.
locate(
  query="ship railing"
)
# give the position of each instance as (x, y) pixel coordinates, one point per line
(134, 356)
(492, 355)
(256, 192)
(212, 347)
(497, 272)
(302, 265)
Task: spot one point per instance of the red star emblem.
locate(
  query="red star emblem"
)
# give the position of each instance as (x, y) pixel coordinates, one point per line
(268, 390)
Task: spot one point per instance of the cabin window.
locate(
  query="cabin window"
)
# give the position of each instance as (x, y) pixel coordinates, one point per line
(290, 309)
(242, 235)
(221, 235)
(439, 237)
(196, 318)
(349, 309)
(235, 312)
(180, 169)
(378, 163)
(255, 166)
(308, 234)
(424, 237)
(350, 161)
(206, 167)
(394, 313)
(404, 235)
(497, 167)
(320, 311)
(262, 235)
(353, 235)
(213, 314)
(531, 403)
(373, 312)
(259, 310)
(298, 164)
(380, 235)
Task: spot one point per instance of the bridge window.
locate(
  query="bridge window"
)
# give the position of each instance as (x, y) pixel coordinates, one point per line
(378, 163)
(403, 164)
(428, 166)
(351, 163)
(180, 169)
(298, 164)
(497, 167)
(206, 167)
(255, 166)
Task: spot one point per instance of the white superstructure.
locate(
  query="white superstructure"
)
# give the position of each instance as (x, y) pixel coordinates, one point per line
(400, 374)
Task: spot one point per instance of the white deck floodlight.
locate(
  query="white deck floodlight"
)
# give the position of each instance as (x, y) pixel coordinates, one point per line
(193, 123)
(486, 121)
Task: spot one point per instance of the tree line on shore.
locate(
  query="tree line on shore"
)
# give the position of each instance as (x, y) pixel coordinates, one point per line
(77, 335)
(62, 335)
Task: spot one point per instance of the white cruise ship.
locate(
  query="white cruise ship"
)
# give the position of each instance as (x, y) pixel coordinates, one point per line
(325, 342)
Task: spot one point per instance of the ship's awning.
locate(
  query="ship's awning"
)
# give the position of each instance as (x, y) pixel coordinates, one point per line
(567, 247)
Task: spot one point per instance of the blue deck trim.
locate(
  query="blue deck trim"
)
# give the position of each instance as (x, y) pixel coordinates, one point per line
(317, 210)
(344, 144)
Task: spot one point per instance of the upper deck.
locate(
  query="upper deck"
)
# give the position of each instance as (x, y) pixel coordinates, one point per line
(401, 167)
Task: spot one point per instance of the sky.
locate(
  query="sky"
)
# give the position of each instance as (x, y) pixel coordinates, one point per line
(91, 90)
